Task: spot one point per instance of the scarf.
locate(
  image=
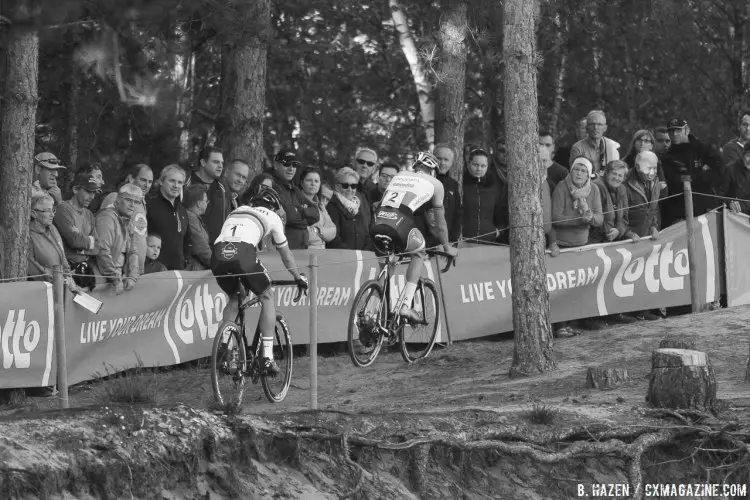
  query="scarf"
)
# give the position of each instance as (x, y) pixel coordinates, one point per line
(352, 206)
(578, 193)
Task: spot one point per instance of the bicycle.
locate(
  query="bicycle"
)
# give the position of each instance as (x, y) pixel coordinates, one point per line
(230, 365)
(371, 325)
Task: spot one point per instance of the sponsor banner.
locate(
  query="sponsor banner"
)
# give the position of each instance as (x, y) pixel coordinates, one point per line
(171, 318)
(586, 282)
(168, 318)
(26, 335)
(736, 243)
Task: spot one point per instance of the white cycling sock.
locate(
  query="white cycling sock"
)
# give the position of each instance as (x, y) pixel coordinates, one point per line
(268, 347)
(408, 294)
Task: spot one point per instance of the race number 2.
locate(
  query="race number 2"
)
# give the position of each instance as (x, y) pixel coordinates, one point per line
(393, 199)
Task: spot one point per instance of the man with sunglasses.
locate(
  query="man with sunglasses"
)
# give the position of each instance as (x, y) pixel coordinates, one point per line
(46, 171)
(412, 195)
(364, 163)
(300, 213)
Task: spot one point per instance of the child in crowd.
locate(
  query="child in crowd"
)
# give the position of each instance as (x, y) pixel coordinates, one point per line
(153, 248)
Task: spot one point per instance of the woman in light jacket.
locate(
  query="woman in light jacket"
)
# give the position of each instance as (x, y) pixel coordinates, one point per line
(324, 230)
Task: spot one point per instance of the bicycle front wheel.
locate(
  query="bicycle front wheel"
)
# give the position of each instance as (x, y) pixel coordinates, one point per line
(418, 339)
(228, 365)
(276, 386)
(363, 338)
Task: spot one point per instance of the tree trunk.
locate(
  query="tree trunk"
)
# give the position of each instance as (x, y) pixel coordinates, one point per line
(532, 353)
(423, 84)
(561, 39)
(681, 378)
(449, 116)
(21, 60)
(243, 88)
(630, 87)
(745, 62)
(183, 65)
(596, 53)
(72, 97)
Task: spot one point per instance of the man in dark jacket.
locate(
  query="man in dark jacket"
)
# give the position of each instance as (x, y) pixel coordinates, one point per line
(211, 165)
(688, 156)
(737, 182)
(299, 212)
(452, 198)
(732, 151)
(168, 218)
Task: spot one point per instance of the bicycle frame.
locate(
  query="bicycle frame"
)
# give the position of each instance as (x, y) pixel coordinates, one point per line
(245, 302)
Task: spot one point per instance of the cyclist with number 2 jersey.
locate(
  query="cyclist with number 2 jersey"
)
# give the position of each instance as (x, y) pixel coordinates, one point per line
(235, 259)
(408, 196)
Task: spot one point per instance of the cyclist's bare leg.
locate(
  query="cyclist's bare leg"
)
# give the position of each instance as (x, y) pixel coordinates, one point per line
(267, 322)
(413, 273)
(232, 308)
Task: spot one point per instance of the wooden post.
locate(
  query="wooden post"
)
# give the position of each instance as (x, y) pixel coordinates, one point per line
(58, 293)
(690, 221)
(313, 331)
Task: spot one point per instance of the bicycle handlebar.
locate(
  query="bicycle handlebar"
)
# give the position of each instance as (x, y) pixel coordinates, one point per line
(300, 290)
(439, 253)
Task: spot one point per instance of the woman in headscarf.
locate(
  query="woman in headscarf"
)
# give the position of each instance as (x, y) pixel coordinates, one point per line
(576, 205)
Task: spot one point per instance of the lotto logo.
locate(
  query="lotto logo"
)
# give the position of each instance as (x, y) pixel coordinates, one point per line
(18, 339)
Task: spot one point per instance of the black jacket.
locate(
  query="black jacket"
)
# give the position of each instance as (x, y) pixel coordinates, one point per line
(688, 158)
(737, 183)
(453, 211)
(219, 205)
(300, 213)
(352, 231)
(485, 208)
(171, 223)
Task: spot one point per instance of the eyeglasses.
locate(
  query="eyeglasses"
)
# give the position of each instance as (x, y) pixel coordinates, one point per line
(50, 211)
(365, 162)
(346, 185)
(291, 163)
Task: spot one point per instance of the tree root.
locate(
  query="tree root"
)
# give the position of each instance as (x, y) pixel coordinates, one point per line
(629, 443)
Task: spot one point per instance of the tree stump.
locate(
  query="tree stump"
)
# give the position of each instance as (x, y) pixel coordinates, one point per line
(681, 378)
(674, 342)
(600, 377)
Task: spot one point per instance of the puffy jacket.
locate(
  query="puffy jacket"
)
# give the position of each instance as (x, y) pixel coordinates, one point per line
(198, 247)
(116, 251)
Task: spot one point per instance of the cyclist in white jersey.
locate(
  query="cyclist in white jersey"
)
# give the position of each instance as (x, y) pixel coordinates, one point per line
(235, 253)
(409, 196)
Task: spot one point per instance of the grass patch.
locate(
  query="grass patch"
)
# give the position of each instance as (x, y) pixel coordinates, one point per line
(133, 385)
(542, 413)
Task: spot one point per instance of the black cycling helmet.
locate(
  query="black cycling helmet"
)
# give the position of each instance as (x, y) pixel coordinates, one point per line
(265, 197)
(426, 159)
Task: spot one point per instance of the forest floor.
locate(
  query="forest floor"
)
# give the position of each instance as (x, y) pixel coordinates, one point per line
(441, 428)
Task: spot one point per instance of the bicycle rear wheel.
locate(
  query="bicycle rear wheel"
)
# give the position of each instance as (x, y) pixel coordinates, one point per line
(363, 339)
(228, 365)
(418, 339)
(276, 387)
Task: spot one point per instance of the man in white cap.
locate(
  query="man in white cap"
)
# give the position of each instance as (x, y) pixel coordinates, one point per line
(46, 171)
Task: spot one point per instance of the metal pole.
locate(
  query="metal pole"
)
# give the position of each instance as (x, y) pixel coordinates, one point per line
(314, 331)
(690, 221)
(446, 328)
(58, 293)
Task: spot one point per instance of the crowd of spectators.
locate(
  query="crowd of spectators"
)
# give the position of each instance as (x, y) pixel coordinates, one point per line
(592, 195)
